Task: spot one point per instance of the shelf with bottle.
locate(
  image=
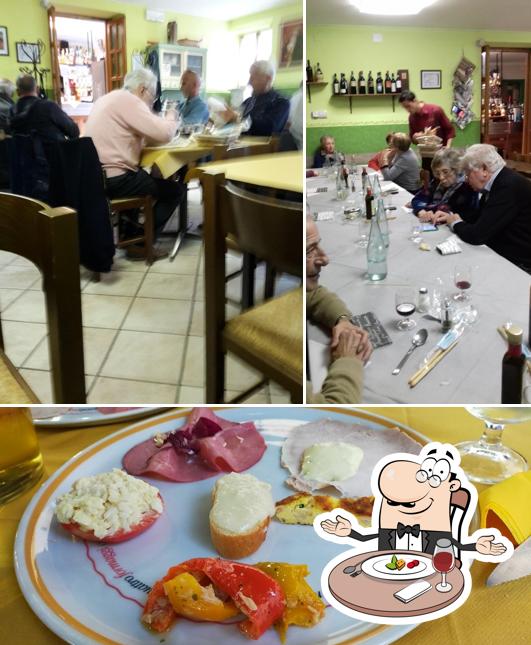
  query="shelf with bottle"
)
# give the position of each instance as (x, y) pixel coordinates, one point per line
(315, 78)
(370, 87)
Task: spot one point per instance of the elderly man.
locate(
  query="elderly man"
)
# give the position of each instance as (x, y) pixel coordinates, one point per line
(426, 118)
(326, 152)
(350, 347)
(193, 109)
(267, 109)
(504, 219)
(33, 115)
(121, 123)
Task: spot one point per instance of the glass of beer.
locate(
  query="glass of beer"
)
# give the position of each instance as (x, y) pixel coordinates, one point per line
(20, 458)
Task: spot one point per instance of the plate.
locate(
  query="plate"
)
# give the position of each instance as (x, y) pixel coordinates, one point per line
(62, 417)
(90, 593)
(375, 567)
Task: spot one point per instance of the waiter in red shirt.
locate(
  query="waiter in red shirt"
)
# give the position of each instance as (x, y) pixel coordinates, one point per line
(426, 119)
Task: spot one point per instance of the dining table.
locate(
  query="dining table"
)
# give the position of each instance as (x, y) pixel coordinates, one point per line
(490, 615)
(499, 294)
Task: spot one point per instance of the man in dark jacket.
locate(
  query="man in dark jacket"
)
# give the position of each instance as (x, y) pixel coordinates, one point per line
(504, 220)
(39, 116)
(267, 109)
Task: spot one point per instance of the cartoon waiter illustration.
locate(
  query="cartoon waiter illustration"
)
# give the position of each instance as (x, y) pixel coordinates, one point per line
(421, 503)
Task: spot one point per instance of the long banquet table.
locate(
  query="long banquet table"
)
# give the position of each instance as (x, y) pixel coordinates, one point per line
(471, 372)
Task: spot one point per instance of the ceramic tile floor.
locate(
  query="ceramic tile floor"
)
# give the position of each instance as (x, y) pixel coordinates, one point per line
(143, 328)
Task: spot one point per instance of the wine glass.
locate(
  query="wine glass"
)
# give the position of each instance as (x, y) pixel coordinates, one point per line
(488, 461)
(443, 562)
(405, 304)
(463, 281)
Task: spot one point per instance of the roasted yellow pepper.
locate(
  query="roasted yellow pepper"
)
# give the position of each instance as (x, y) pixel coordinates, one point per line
(304, 608)
(190, 599)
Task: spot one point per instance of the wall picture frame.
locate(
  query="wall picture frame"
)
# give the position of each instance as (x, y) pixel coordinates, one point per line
(4, 43)
(28, 52)
(430, 79)
(291, 44)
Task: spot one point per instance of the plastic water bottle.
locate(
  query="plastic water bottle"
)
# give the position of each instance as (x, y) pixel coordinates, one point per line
(382, 221)
(376, 253)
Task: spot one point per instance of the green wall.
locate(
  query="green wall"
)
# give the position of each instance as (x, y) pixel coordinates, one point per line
(27, 20)
(341, 48)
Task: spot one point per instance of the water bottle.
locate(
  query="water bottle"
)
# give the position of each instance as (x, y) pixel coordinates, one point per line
(376, 253)
(382, 221)
(341, 191)
(376, 188)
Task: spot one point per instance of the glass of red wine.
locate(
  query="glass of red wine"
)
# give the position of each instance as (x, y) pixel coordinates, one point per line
(463, 281)
(405, 304)
(443, 562)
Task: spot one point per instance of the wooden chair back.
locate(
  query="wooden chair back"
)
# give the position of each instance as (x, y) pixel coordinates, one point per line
(48, 237)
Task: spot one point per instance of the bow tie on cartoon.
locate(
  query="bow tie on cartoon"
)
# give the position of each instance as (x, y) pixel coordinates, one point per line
(402, 529)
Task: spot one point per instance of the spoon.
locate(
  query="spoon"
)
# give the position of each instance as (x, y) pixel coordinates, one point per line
(418, 340)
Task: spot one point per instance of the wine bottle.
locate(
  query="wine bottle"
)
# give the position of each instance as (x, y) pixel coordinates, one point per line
(376, 253)
(379, 84)
(393, 84)
(398, 82)
(318, 76)
(513, 365)
(362, 87)
(309, 73)
(368, 203)
(344, 173)
(335, 84)
(353, 84)
(343, 85)
(370, 84)
(387, 83)
(364, 179)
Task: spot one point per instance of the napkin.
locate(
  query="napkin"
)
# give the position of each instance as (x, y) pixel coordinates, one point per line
(505, 506)
(449, 246)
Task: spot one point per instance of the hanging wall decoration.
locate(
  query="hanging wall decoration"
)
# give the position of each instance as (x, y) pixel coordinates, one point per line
(463, 93)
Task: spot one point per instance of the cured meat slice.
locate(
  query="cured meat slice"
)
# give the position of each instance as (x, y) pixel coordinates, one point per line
(178, 466)
(234, 449)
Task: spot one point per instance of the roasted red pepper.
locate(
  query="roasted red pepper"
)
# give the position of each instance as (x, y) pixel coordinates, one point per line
(255, 594)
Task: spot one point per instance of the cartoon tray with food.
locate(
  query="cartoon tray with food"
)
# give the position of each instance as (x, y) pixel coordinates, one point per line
(197, 526)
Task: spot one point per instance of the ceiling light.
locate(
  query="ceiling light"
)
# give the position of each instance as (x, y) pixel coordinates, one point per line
(392, 7)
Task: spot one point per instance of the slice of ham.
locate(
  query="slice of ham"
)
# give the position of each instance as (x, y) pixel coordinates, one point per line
(202, 448)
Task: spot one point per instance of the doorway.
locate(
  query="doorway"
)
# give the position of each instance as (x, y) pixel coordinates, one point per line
(506, 82)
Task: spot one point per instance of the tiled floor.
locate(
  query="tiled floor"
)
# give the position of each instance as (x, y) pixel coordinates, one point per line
(143, 328)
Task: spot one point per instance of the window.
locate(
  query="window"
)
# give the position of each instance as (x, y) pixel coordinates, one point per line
(256, 45)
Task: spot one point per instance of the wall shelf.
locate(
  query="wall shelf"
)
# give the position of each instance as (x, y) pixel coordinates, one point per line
(367, 96)
(315, 83)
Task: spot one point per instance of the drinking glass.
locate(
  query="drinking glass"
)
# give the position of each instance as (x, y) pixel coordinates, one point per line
(488, 461)
(363, 232)
(443, 562)
(20, 458)
(416, 230)
(463, 281)
(405, 304)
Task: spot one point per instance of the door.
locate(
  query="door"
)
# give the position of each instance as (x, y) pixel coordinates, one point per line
(115, 52)
(56, 73)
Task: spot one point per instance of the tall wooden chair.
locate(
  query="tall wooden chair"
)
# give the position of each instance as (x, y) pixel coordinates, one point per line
(268, 336)
(48, 237)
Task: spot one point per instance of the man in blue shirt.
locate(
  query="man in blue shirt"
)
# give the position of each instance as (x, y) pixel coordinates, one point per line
(193, 109)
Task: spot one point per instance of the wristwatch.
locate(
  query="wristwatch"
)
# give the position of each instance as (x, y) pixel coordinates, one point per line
(342, 317)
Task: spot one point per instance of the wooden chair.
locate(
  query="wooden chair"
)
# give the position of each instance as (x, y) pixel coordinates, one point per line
(268, 336)
(48, 237)
(145, 204)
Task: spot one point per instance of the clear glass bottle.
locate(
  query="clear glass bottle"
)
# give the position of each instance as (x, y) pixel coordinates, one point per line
(382, 221)
(423, 304)
(376, 253)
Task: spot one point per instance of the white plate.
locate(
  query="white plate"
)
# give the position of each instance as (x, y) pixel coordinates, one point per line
(93, 593)
(62, 417)
(375, 567)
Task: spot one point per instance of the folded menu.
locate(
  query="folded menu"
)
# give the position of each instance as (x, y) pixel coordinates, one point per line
(377, 334)
(449, 246)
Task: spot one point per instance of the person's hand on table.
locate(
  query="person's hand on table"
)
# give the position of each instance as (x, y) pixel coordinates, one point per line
(229, 115)
(426, 216)
(446, 218)
(486, 546)
(341, 528)
(344, 326)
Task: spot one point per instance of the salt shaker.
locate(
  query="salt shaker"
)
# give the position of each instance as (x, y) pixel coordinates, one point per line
(446, 315)
(423, 301)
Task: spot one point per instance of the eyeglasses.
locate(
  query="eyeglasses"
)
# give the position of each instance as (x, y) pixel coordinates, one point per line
(443, 172)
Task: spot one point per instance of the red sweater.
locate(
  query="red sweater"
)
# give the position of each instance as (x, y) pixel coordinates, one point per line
(431, 116)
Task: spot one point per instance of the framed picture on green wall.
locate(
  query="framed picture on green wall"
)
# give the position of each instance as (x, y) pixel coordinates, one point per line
(4, 46)
(430, 79)
(291, 41)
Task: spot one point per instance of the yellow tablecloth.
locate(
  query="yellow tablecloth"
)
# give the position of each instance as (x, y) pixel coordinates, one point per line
(490, 616)
(170, 159)
(281, 170)
(13, 388)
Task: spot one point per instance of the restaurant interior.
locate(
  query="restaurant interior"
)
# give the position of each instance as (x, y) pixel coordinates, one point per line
(378, 76)
(153, 328)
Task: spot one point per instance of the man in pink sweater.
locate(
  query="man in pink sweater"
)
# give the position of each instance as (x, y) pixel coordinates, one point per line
(121, 123)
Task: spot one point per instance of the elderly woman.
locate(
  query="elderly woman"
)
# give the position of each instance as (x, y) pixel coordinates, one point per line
(326, 154)
(447, 192)
(400, 163)
(504, 211)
